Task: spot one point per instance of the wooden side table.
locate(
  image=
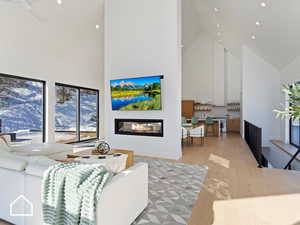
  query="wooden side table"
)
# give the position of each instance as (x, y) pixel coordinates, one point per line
(129, 162)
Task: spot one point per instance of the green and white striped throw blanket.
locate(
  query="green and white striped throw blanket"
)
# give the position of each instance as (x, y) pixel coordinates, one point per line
(70, 192)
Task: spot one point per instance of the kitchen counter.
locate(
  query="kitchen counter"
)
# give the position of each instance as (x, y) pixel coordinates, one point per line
(221, 124)
(202, 122)
(221, 120)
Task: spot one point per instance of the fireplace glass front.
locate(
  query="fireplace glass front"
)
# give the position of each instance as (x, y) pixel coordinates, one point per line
(144, 127)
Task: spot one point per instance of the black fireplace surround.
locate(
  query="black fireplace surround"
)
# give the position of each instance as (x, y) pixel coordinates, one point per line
(139, 127)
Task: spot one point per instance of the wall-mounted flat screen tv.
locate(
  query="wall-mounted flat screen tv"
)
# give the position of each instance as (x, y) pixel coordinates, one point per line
(136, 94)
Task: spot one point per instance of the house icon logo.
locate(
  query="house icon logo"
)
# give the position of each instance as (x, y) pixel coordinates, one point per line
(21, 206)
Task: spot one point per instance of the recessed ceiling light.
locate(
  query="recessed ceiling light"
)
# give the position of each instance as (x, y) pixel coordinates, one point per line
(258, 23)
(263, 4)
(253, 37)
(216, 9)
(97, 26)
(59, 2)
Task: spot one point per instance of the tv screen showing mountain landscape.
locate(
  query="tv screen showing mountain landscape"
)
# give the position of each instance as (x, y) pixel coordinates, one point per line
(142, 93)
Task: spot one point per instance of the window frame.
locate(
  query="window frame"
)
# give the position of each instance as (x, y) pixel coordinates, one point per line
(78, 88)
(44, 98)
(290, 129)
(290, 124)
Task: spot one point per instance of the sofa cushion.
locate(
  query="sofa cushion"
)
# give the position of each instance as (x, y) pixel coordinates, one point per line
(42, 160)
(3, 145)
(12, 163)
(37, 165)
(36, 169)
(41, 149)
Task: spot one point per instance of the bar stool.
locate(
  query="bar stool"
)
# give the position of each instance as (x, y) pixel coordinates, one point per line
(195, 120)
(183, 120)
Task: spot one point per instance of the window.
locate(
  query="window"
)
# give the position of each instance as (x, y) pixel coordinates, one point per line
(295, 132)
(22, 108)
(76, 114)
(66, 114)
(88, 114)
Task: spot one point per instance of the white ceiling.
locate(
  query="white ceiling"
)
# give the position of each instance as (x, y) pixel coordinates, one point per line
(71, 15)
(277, 39)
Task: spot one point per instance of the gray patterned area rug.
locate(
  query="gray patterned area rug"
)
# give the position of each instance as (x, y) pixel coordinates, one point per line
(173, 192)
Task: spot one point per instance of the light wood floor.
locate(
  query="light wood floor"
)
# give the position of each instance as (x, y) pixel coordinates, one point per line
(236, 192)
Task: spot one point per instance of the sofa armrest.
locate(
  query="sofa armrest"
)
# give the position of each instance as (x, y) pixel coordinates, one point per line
(125, 197)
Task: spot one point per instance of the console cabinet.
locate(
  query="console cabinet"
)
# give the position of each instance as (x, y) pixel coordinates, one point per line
(233, 125)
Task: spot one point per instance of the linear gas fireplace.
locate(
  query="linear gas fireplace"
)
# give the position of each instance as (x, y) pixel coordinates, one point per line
(143, 127)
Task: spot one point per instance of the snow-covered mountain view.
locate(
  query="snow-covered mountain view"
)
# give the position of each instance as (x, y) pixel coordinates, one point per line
(21, 105)
(21, 109)
(66, 110)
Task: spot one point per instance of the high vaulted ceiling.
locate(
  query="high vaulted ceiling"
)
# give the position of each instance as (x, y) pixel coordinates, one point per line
(277, 39)
(69, 16)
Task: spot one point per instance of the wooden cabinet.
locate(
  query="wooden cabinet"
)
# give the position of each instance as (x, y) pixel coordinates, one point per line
(233, 125)
(187, 108)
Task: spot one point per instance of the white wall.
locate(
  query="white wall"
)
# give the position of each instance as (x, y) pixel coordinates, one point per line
(207, 76)
(291, 72)
(197, 64)
(233, 74)
(219, 75)
(142, 37)
(47, 50)
(261, 94)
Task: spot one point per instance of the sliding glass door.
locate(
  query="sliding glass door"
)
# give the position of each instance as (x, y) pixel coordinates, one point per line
(295, 132)
(22, 109)
(76, 114)
(88, 114)
(66, 114)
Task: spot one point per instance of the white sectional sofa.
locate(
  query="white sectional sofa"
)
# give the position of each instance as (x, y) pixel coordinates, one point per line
(122, 200)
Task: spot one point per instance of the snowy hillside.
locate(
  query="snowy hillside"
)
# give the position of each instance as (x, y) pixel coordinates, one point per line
(21, 107)
(65, 119)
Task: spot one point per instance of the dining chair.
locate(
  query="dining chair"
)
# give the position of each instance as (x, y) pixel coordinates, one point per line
(209, 123)
(185, 134)
(183, 120)
(195, 120)
(197, 132)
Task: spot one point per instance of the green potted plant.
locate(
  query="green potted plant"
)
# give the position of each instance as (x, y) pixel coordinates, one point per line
(292, 111)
